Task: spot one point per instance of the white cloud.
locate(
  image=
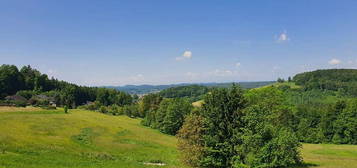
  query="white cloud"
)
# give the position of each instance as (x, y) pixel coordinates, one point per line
(334, 62)
(283, 37)
(185, 55)
(238, 64)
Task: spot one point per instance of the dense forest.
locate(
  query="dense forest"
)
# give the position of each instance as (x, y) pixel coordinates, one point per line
(234, 127)
(342, 80)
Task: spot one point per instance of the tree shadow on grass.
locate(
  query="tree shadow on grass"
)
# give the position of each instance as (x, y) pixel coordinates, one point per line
(305, 165)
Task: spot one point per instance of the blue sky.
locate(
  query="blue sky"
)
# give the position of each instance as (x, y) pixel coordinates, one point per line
(160, 42)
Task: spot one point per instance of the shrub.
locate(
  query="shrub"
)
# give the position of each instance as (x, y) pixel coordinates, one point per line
(93, 106)
(103, 109)
(13, 103)
(19, 103)
(131, 110)
(113, 109)
(26, 93)
(65, 109)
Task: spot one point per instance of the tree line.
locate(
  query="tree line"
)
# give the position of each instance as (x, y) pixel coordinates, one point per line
(29, 83)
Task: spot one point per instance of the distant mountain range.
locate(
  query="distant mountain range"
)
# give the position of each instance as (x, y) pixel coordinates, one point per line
(145, 89)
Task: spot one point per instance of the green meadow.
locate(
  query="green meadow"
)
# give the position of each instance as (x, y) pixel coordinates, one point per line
(36, 138)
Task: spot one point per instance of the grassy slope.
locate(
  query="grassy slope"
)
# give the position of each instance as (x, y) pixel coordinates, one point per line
(34, 138)
(330, 156)
(277, 84)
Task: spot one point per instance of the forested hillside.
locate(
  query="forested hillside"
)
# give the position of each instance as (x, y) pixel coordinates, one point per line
(192, 92)
(32, 87)
(325, 108)
(342, 80)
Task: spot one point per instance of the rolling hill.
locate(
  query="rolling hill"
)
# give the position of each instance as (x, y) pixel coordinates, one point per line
(36, 138)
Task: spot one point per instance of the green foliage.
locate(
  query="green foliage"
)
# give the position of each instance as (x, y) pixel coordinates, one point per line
(280, 151)
(91, 106)
(103, 109)
(222, 113)
(169, 116)
(343, 80)
(114, 110)
(29, 83)
(190, 140)
(28, 94)
(317, 112)
(19, 103)
(174, 115)
(345, 126)
(11, 80)
(68, 96)
(149, 103)
(192, 92)
(268, 137)
(242, 130)
(280, 80)
(65, 108)
(131, 110)
(13, 103)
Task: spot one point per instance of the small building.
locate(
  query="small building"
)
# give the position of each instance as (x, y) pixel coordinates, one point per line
(51, 100)
(16, 98)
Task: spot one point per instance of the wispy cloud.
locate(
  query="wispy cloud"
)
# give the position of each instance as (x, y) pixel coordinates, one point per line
(334, 61)
(185, 55)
